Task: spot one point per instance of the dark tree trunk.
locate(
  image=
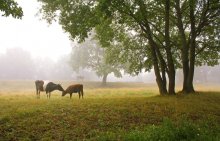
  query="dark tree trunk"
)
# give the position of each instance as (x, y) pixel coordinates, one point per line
(185, 48)
(190, 88)
(104, 79)
(161, 82)
(155, 52)
(185, 73)
(163, 66)
(171, 68)
(163, 72)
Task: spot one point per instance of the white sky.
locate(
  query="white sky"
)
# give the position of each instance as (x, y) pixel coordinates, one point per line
(32, 34)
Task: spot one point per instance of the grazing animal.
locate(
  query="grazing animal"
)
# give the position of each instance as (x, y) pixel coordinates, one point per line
(51, 87)
(39, 87)
(77, 88)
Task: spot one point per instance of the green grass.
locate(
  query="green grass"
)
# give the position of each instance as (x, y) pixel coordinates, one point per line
(119, 111)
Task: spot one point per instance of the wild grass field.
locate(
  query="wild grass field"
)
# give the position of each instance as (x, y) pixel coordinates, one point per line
(119, 111)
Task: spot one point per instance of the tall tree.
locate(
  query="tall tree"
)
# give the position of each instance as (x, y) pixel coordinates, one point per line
(173, 33)
(91, 56)
(10, 7)
(198, 24)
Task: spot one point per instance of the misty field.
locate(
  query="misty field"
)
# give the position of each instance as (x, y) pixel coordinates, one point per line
(119, 111)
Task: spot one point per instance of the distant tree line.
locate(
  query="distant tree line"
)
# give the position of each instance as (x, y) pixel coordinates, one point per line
(16, 63)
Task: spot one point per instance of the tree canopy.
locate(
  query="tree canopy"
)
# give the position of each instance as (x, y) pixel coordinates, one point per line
(160, 34)
(10, 7)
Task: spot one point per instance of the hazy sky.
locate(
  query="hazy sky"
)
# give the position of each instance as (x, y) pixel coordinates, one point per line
(38, 37)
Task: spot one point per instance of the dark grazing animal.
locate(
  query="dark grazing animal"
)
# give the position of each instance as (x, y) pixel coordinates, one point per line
(77, 88)
(39, 87)
(51, 87)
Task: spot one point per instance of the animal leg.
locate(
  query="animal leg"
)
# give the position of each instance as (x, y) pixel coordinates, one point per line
(49, 95)
(36, 93)
(79, 94)
(70, 95)
(82, 93)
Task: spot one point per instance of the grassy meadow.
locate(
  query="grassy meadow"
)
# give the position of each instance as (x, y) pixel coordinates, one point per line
(118, 111)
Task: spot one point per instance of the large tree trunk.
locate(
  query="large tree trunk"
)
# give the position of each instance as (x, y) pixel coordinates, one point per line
(185, 72)
(185, 48)
(163, 67)
(104, 79)
(163, 72)
(161, 82)
(155, 52)
(171, 68)
(190, 88)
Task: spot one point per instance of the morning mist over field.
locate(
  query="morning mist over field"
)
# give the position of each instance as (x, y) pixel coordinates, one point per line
(19, 64)
(109, 70)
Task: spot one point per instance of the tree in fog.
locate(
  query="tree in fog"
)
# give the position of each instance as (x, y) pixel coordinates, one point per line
(16, 63)
(10, 7)
(173, 33)
(90, 55)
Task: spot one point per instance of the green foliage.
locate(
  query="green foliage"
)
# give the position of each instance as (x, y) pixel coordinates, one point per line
(208, 33)
(115, 21)
(124, 48)
(76, 17)
(164, 35)
(10, 7)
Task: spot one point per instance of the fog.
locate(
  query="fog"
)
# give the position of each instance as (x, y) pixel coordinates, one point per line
(30, 49)
(32, 34)
(19, 64)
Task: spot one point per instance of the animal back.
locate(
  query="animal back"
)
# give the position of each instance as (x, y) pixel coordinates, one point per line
(45, 85)
(75, 88)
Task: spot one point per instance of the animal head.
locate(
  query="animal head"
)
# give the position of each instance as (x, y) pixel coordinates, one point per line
(59, 87)
(64, 93)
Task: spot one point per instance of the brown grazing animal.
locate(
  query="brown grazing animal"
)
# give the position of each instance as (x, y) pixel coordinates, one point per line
(77, 88)
(39, 87)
